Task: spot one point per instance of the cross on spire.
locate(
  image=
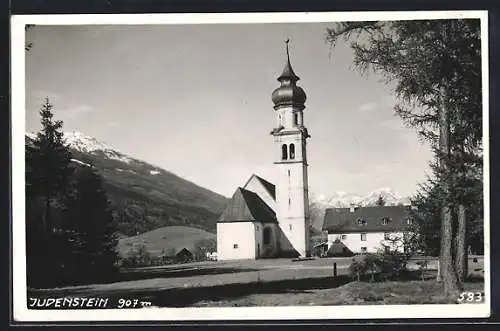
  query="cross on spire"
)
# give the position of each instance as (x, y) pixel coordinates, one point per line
(288, 71)
(287, 52)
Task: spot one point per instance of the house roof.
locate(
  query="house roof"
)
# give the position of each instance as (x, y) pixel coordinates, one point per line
(270, 188)
(247, 206)
(343, 220)
(184, 251)
(176, 252)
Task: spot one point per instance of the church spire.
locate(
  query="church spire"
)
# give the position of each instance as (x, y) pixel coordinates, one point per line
(288, 94)
(288, 73)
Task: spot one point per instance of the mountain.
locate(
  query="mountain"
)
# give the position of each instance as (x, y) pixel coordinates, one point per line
(343, 199)
(318, 203)
(145, 197)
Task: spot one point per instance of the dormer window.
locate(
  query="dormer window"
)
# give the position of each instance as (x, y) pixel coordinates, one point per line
(409, 221)
(385, 220)
(361, 221)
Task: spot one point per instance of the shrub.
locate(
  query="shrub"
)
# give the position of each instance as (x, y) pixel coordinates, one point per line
(138, 255)
(392, 265)
(386, 265)
(363, 266)
(392, 260)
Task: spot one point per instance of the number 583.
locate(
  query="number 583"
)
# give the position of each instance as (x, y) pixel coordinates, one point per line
(470, 297)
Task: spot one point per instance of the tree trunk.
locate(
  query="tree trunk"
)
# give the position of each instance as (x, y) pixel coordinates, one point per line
(460, 245)
(447, 267)
(448, 273)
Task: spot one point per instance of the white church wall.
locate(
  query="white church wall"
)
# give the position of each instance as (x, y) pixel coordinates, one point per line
(373, 240)
(236, 240)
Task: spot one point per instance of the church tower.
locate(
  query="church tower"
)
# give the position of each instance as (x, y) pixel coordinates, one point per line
(290, 135)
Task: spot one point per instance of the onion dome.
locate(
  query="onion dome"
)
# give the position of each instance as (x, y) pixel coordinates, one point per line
(288, 94)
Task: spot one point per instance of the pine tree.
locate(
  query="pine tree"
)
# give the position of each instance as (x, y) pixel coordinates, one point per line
(91, 220)
(48, 163)
(380, 201)
(48, 172)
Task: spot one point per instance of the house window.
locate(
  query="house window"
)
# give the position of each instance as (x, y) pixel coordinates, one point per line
(361, 221)
(387, 235)
(363, 237)
(409, 221)
(363, 249)
(296, 119)
(385, 221)
(267, 236)
(284, 152)
(235, 246)
(343, 237)
(292, 151)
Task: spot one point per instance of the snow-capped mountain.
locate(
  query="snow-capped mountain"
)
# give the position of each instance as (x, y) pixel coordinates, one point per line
(344, 199)
(152, 197)
(86, 144)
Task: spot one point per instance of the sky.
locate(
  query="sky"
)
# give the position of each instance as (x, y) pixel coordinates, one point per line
(196, 101)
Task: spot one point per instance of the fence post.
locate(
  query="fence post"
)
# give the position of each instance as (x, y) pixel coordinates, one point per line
(334, 269)
(438, 278)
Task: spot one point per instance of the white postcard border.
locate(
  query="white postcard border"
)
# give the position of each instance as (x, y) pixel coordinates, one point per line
(20, 310)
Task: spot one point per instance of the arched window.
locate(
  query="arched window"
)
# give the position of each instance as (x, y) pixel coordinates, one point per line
(292, 151)
(284, 152)
(296, 118)
(267, 236)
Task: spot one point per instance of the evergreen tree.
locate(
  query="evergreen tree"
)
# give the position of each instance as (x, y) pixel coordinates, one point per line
(48, 164)
(48, 171)
(380, 201)
(90, 219)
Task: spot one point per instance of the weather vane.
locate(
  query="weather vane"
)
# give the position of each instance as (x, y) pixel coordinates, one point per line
(286, 42)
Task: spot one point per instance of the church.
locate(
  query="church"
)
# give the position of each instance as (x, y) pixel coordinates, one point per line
(265, 220)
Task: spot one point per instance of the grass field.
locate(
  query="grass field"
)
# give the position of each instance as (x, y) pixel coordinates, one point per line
(176, 237)
(274, 282)
(353, 293)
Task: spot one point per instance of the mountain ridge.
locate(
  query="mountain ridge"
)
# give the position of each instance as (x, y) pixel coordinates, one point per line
(144, 196)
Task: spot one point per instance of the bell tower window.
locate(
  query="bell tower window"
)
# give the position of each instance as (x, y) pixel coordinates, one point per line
(284, 152)
(296, 119)
(292, 151)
